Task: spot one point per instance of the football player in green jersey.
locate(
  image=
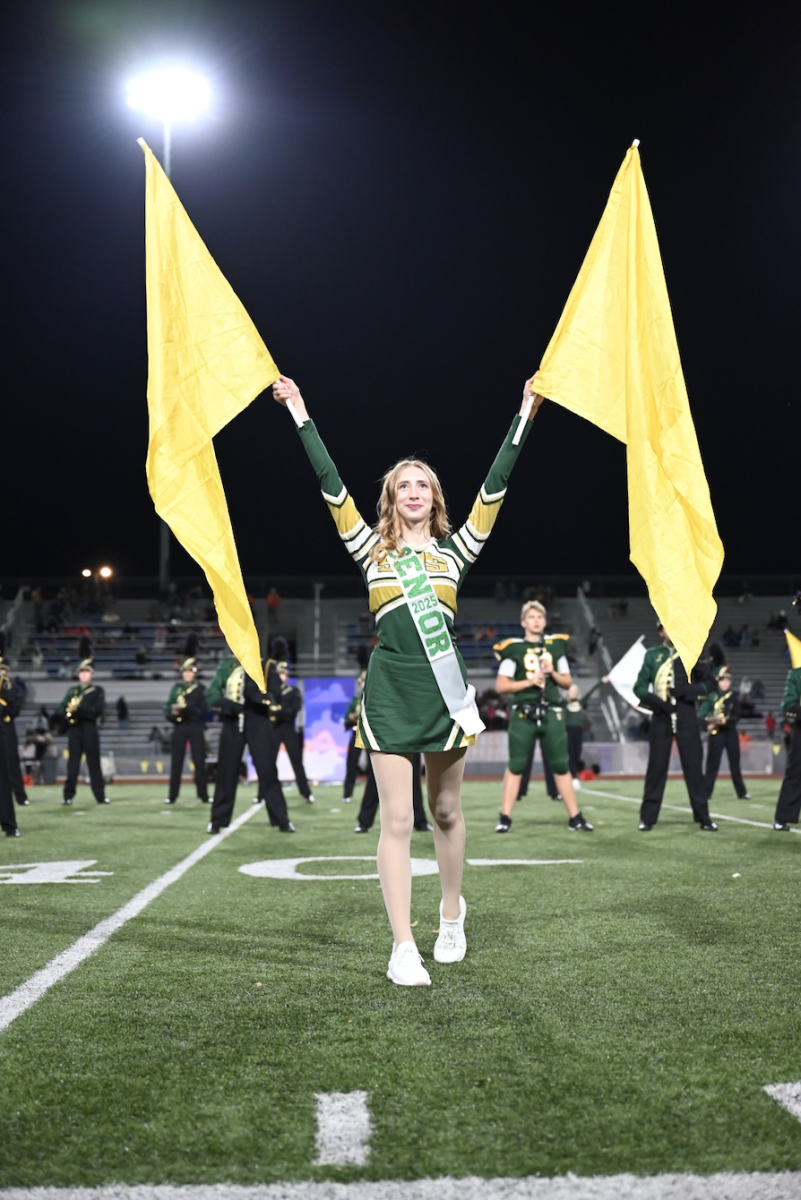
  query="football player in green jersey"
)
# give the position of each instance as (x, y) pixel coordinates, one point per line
(532, 669)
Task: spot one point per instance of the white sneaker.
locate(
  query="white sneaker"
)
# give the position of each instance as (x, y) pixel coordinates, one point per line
(451, 944)
(406, 967)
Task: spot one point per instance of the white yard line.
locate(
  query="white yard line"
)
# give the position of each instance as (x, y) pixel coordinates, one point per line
(776, 1185)
(16, 1002)
(343, 1129)
(682, 809)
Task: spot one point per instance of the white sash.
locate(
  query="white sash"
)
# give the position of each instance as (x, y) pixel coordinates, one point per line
(429, 621)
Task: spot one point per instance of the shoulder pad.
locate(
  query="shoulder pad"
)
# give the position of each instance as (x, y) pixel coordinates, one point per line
(500, 646)
(564, 636)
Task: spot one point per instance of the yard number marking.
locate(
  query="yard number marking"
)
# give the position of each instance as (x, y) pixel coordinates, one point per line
(286, 868)
(69, 871)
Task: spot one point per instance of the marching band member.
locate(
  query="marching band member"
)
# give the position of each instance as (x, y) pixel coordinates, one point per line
(247, 720)
(11, 701)
(662, 685)
(788, 805)
(290, 702)
(416, 698)
(81, 709)
(186, 709)
(720, 712)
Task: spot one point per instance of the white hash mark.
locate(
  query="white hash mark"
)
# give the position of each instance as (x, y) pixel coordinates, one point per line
(788, 1095)
(343, 1129)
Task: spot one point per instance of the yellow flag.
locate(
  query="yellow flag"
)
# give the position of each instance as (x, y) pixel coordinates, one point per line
(794, 646)
(206, 364)
(614, 360)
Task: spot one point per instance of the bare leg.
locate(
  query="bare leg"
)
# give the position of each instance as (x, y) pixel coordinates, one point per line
(565, 785)
(511, 786)
(444, 773)
(393, 776)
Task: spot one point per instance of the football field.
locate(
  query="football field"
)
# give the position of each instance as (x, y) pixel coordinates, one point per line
(625, 1001)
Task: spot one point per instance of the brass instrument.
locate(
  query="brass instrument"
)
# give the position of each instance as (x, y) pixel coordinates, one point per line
(71, 711)
(671, 686)
(178, 707)
(235, 690)
(717, 719)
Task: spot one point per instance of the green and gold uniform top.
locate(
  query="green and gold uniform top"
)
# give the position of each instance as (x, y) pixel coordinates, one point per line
(791, 700)
(446, 561)
(723, 708)
(219, 688)
(89, 703)
(194, 701)
(656, 672)
(520, 659)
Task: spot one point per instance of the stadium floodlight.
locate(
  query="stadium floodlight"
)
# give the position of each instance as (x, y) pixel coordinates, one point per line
(170, 94)
(87, 574)
(106, 572)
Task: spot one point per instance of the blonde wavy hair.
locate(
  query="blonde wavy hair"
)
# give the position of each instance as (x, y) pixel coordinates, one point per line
(388, 526)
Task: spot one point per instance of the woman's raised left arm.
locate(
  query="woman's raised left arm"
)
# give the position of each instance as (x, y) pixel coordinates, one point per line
(473, 534)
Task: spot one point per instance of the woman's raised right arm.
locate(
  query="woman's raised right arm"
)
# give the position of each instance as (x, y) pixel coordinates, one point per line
(356, 534)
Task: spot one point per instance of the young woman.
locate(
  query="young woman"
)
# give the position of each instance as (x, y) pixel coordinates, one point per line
(415, 697)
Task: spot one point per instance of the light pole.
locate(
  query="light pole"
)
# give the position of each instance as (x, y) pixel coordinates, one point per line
(170, 94)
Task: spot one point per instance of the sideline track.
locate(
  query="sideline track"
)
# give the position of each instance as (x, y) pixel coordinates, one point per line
(23, 997)
(778, 1185)
(684, 809)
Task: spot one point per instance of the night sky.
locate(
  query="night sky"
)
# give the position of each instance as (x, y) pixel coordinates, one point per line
(401, 194)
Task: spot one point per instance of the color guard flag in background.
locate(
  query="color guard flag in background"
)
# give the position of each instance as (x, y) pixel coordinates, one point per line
(206, 364)
(614, 360)
(794, 646)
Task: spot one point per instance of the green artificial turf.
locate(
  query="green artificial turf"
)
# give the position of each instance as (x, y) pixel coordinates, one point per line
(622, 1014)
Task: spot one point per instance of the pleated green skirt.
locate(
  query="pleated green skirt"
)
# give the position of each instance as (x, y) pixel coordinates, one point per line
(403, 711)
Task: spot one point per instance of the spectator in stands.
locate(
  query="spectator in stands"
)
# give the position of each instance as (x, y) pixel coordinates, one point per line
(745, 636)
(758, 689)
(730, 637)
(770, 725)
(499, 594)
(155, 736)
(492, 711)
(273, 601)
(122, 712)
(38, 609)
(65, 670)
(37, 658)
(141, 656)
